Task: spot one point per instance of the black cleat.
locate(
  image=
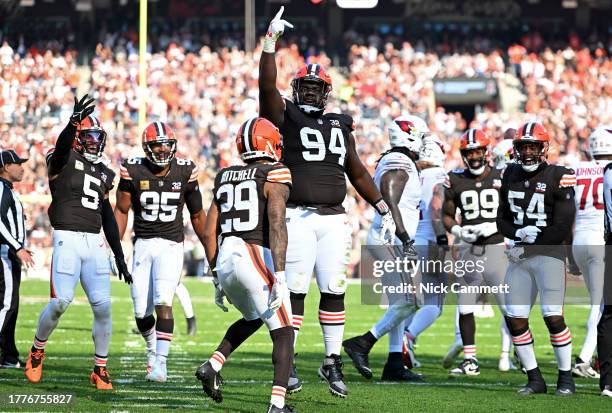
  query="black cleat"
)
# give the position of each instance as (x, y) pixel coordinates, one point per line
(565, 384)
(286, 409)
(191, 326)
(358, 353)
(331, 372)
(12, 364)
(211, 381)
(533, 387)
(394, 371)
(295, 384)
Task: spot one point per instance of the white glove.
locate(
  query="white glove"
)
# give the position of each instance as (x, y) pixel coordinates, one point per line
(485, 230)
(278, 292)
(219, 295)
(387, 229)
(276, 28)
(527, 234)
(515, 254)
(113, 266)
(465, 233)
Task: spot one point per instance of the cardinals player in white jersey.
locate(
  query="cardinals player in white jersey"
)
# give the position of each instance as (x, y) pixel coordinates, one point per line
(397, 176)
(588, 241)
(430, 241)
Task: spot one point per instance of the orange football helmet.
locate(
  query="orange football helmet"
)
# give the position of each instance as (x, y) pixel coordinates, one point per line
(311, 87)
(159, 143)
(91, 139)
(531, 145)
(472, 140)
(258, 138)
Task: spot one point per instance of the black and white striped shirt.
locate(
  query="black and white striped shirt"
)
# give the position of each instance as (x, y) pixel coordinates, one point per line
(12, 223)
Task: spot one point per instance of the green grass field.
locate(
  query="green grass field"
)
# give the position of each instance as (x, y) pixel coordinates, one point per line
(248, 373)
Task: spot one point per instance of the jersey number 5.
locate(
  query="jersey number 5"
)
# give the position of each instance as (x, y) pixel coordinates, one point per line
(238, 201)
(317, 146)
(91, 200)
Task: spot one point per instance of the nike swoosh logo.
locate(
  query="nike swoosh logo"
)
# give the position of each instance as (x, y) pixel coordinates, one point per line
(215, 384)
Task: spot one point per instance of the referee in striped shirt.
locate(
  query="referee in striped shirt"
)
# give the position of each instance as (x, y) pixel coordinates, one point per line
(13, 254)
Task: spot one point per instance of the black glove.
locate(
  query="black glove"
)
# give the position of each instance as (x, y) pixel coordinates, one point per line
(122, 270)
(408, 250)
(442, 241)
(81, 110)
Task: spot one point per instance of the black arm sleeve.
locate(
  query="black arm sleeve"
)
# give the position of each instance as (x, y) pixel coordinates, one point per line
(59, 157)
(193, 197)
(111, 230)
(563, 219)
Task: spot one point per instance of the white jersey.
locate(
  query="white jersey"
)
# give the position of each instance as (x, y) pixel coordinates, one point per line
(607, 188)
(589, 198)
(409, 202)
(430, 177)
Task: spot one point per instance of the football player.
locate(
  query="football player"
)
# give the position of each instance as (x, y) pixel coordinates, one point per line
(537, 212)
(474, 191)
(157, 187)
(430, 241)
(319, 149)
(588, 240)
(246, 242)
(80, 182)
(398, 178)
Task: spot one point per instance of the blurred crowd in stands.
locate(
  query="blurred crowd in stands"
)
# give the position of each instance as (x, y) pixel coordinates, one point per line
(205, 93)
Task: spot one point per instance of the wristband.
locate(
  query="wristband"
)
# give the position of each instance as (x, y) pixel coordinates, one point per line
(280, 276)
(442, 240)
(269, 44)
(381, 206)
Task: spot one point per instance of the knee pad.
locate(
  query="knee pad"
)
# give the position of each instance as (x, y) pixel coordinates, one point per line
(59, 305)
(101, 309)
(555, 323)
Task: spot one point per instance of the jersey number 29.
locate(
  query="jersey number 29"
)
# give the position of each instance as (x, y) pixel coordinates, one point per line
(240, 197)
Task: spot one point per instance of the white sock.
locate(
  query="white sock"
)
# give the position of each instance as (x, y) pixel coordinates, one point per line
(332, 325)
(150, 339)
(297, 324)
(162, 347)
(278, 396)
(184, 299)
(217, 360)
(423, 318)
(524, 349)
(562, 345)
(469, 351)
(590, 341)
(506, 337)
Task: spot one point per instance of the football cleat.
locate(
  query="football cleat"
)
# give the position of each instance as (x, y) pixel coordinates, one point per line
(607, 391)
(468, 367)
(584, 370)
(100, 378)
(533, 387)
(158, 373)
(191, 326)
(287, 409)
(505, 364)
(359, 355)
(408, 352)
(150, 360)
(34, 365)
(565, 384)
(331, 372)
(295, 384)
(211, 381)
(12, 364)
(455, 349)
(397, 372)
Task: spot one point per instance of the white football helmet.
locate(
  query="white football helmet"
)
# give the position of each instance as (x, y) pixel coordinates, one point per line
(600, 141)
(503, 153)
(432, 151)
(408, 132)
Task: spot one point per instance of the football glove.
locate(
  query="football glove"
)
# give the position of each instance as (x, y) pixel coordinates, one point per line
(465, 233)
(122, 270)
(485, 230)
(408, 250)
(515, 254)
(278, 292)
(387, 229)
(442, 241)
(82, 108)
(527, 234)
(275, 30)
(219, 295)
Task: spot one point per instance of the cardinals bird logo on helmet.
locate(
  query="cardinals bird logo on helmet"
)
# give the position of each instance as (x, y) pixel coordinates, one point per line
(258, 138)
(408, 132)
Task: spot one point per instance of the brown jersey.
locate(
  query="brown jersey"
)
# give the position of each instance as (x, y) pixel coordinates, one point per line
(239, 194)
(77, 194)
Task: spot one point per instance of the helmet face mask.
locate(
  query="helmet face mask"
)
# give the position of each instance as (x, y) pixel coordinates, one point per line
(475, 159)
(530, 153)
(160, 152)
(311, 88)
